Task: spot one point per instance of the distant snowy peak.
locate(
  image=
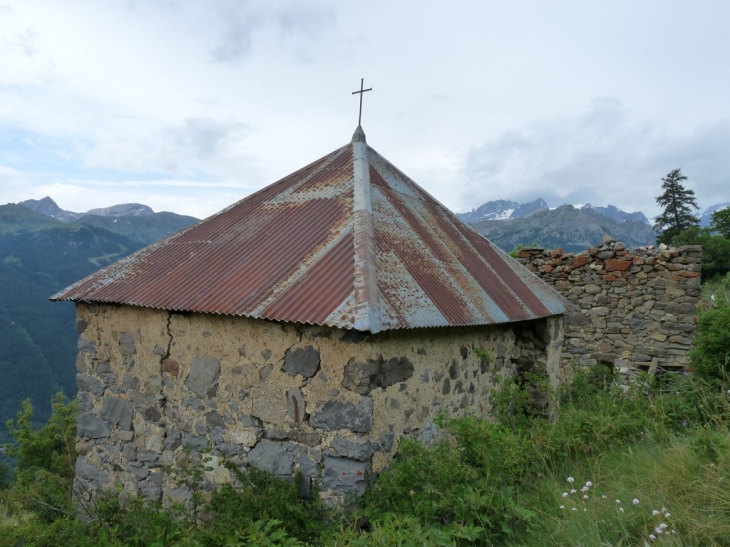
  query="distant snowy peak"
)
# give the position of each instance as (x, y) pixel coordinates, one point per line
(706, 217)
(611, 211)
(502, 210)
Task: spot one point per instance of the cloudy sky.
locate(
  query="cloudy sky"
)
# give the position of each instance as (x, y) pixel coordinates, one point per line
(188, 106)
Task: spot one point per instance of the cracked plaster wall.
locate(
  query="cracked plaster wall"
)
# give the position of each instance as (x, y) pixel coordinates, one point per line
(157, 389)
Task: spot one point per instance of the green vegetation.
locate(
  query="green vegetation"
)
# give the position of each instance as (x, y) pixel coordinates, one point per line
(678, 203)
(617, 466)
(38, 257)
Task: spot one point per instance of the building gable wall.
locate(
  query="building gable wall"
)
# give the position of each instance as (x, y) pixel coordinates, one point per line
(159, 390)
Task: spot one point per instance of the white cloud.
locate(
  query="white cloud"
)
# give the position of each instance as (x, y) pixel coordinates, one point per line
(606, 155)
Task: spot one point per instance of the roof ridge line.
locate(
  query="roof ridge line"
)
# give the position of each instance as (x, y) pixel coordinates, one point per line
(367, 299)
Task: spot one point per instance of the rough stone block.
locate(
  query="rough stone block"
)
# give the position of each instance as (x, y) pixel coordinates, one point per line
(91, 426)
(88, 383)
(203, 377)
(117, 411)
(355, 449)
(336, 415)
(126, 344)
(273, 457)
(344, 475)
(85, 470)
(363, 377)
(304, 361)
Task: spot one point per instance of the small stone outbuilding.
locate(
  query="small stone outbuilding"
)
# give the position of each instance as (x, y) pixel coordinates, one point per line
(304, 330)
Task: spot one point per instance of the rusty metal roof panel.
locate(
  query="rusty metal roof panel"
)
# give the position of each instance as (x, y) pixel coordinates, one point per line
(347, 241)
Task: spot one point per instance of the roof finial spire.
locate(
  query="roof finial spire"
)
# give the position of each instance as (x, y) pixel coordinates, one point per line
(362, 83)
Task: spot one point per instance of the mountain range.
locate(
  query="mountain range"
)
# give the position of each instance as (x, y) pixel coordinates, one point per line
(574, 228)
(42, 250)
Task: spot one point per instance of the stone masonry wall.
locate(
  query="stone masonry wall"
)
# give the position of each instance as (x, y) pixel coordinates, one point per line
(158, 389)
(635, 309)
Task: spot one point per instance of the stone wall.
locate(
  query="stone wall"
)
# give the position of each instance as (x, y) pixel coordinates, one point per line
(158, 389)
(635, 309)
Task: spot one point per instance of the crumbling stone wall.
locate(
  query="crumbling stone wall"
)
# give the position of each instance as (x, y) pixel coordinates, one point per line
(635, 309)
(158, 389)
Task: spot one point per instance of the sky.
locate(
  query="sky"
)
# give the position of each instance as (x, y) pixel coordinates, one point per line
(189, 106)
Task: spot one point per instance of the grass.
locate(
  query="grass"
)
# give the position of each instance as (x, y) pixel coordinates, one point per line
(661, 448)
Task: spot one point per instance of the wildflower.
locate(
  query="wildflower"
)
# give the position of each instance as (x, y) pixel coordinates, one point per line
(621, 509)
(618, 501)
(667, 515)
(589, 484)
(584, 509)
(562, 506)
(655, 512)
(685, 423)
(573, 491)
(635, 501)
(604, 496)
(565, 495)
(652, 537)
(570, 480)
(658, 530)
(584, 489)
(663, 509)
(574, 509)
(585, 496)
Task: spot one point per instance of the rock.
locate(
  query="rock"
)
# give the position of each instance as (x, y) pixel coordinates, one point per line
(91, 427)
(304, 361)
(273, 457)
(86, 346)
(203, 377)
(179, 495)
(126, 344)
(607, 239)
(638, 324)
(336, 415)
(88, 383)
(246, 437)
(347, 476)
(194, 442)
(213, 419)
(354, 449)
(117, 411)
(84, 470)
(617, 265)
(86, 403)
(363, 377)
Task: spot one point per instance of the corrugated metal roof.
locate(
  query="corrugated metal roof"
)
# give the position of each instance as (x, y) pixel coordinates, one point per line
(348, 241)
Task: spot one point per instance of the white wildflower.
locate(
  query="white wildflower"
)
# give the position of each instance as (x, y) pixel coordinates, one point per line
(573, 491)
(658, 530)
(667, 515)
(565, 495)
(663, 526)
(562, 506)
(655, 512)
(584, 489)
(570, 480)
(618, 501)
(585, 496)
(652, 537)
(589, 484)
(574, 509)
(621, 509)
(584, 509)
(635, 501)
(604, 496)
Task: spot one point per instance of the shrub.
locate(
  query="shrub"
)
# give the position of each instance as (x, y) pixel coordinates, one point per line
(710, 354)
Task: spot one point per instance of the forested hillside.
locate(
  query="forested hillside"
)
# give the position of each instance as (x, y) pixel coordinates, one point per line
(38, 257)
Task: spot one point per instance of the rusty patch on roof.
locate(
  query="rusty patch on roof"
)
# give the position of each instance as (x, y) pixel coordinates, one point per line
(347, 241)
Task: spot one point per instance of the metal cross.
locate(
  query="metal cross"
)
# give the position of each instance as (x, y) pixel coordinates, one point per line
(362, 81)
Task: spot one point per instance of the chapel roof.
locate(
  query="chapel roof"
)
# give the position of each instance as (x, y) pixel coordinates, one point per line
(348, 241)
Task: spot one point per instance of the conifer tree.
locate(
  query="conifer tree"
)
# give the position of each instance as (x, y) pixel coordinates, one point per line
(678, 203)
(720, 222)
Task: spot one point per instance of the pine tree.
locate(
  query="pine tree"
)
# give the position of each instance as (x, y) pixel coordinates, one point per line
(678, 203)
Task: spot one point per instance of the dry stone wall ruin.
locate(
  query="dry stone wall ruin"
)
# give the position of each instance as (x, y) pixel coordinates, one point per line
(160, 391)
(634, 309)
